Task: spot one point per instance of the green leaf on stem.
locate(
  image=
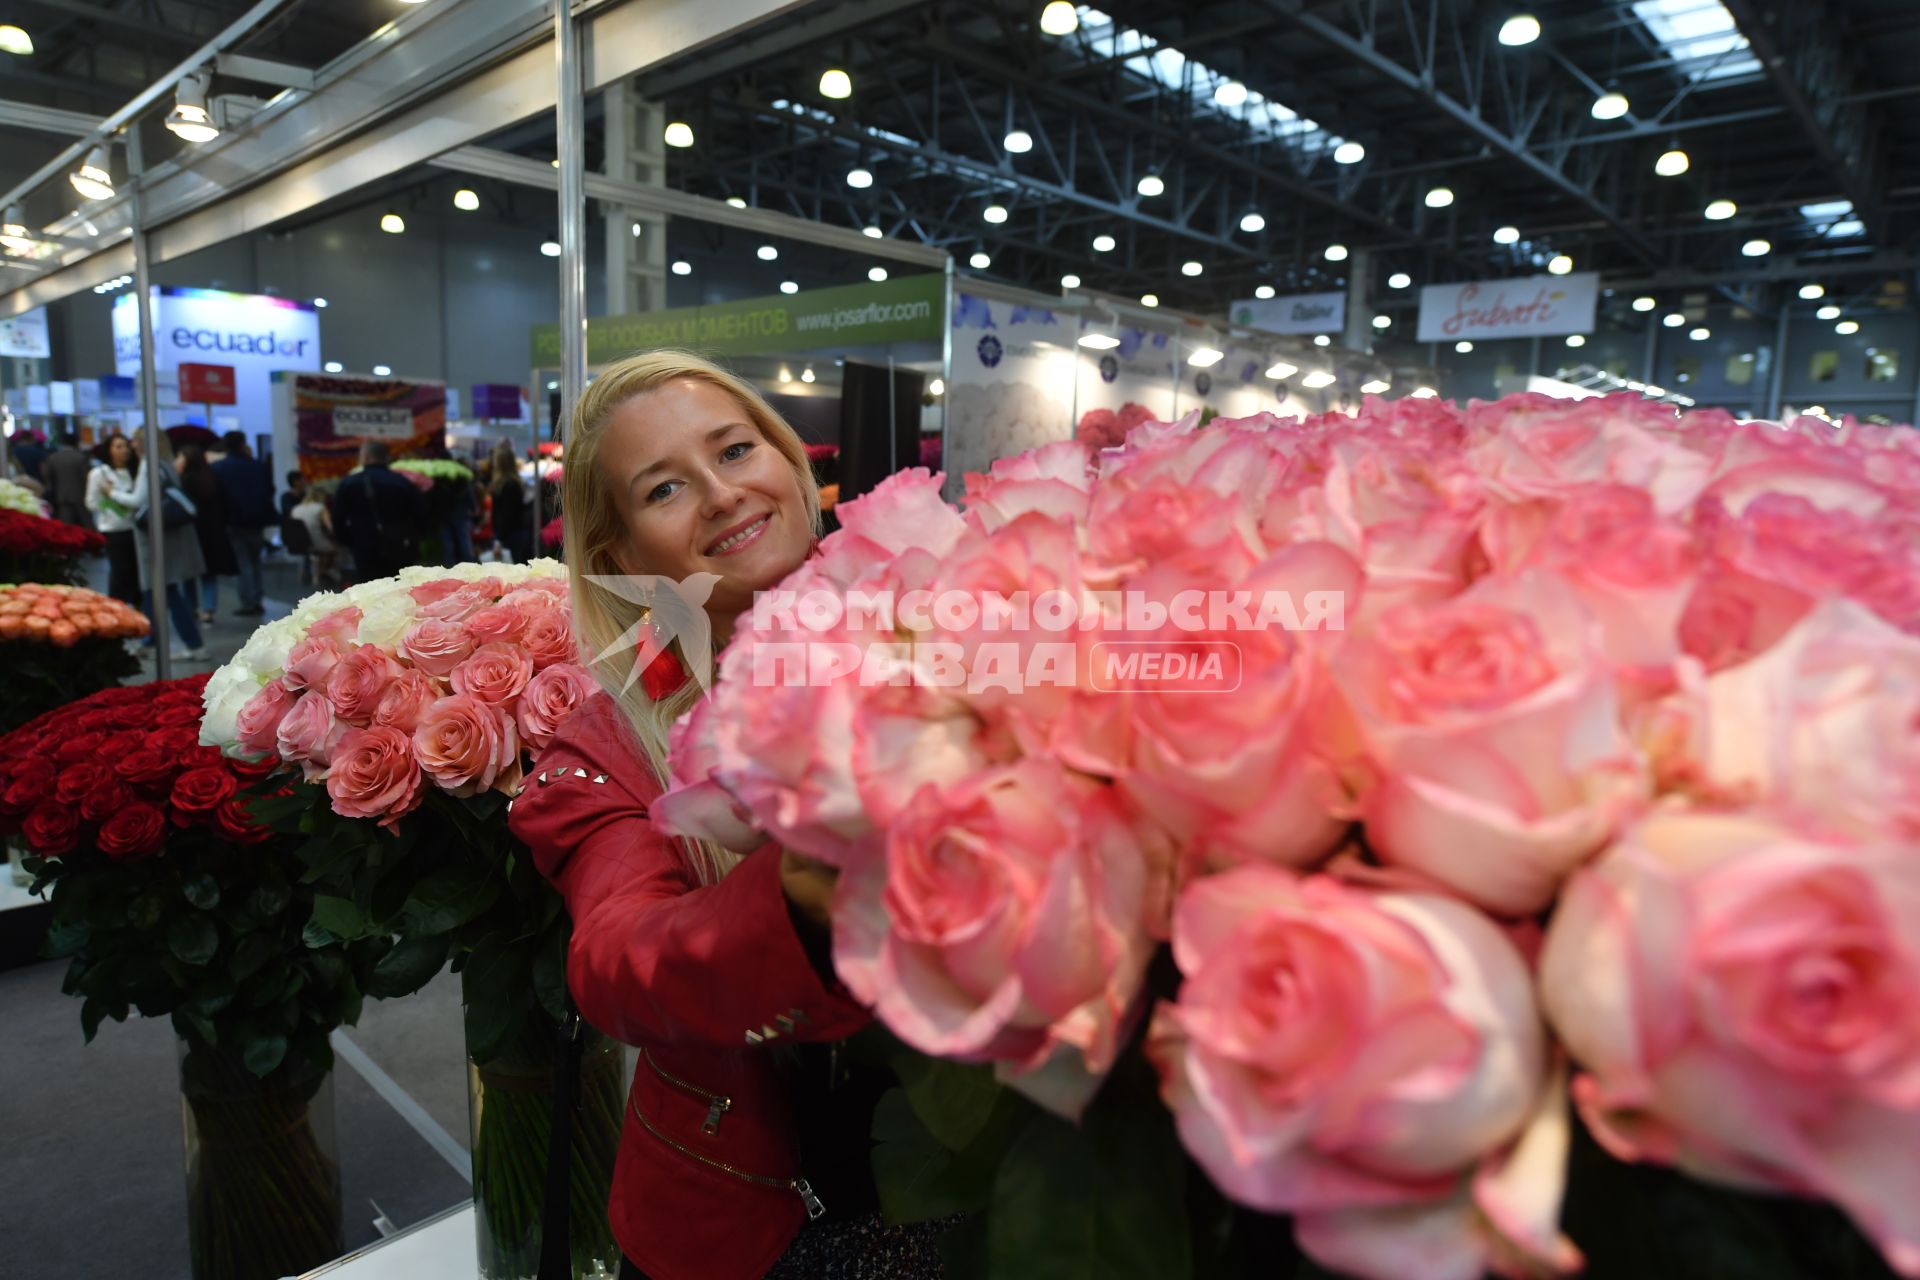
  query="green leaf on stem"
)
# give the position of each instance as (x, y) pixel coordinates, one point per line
(212, 997)
(203, 891)
(491, 984)
(192, 939)
(263, 1053)
(204, 1026)
(316, 936)
(250, 953)
(339, 916)
(550, 971)
(91, 1014)
(408, 966)
(953, 1099)
(65, 937)
(144, 912)
(449, 898)
(918, 1178)
(270, 899)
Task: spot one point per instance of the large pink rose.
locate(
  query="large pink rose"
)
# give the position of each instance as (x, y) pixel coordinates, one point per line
(341, 625)
(308, 734)
(1493, 758)
(694, 803)
(407, 699)
(494, 674)
(437, 646)
(1003, 924)
(1353, 1058)
(374, 775)
(358, 682)
(1055, 480)
(1745, 1000)
(496, 622)
(550, 697)
(311, 661)
(464, 600)
(257, 726)
(466, 746)
(903, 511)
(547, 636)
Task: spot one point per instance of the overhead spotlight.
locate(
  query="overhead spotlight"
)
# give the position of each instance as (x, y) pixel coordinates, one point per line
(788, 286)
(1808, 292)
(1506, 235)
(1336, 253)
(1018, 142)
(1610, 106)
(1349, 153)
(876, 274)
(1060, 18)
(1560, 265)
(979, 261)
(1644, 303)
(786, 374)
(766, 253)
(93, 179)
(1375, 387)
(681, 267)
(1576, 340)
(1700, 334)
(678, 134)
(1069, 281)
(835, 83)
(872, 232)
(1317, 379)
(13, 231)
(1280, 370)
(382, 370)
(1099, 341)
(860, 179)
(1399, 280)
(320, 303)
(806, 374)
(1720, 210)
(392, 223)
(1149, 299)
(551, 248)
(1191, 268)
(334, 366)
(1253, 221)
(1230, 93)
(1439, 197)
(1756, 248)
(1151, 185)
(1383, 322)
(995, 213)
(636, 230)
(1520, 29)
(1673, 320)
(1103, 244)
(15, 40)
(1671, 164)
(736, 202)
(1263, 292)
(1423, 393)
(938, 387)
(466, 199)
(1322, 340)
(1205, 357)
(1463, 346)
(1828, 312)
(189, 121)
(1847, 327)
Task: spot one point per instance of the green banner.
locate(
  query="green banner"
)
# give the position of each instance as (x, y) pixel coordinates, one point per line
(909, 309)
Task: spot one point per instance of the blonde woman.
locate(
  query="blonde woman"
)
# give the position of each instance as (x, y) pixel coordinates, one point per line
(745, 1150)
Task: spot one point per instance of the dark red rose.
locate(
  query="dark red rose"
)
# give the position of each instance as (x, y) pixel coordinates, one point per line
(176, 742)
(134, 832)
(29, 785)
(198, 792)
(76, 780)
(182, 714)
(51, 830)
(105, 800)
(81, 746)
(148, 767)
(205, 758)
(254, 770)
(231, 820)
(123, 743)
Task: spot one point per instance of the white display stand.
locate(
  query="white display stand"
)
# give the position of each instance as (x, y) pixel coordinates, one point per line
(441, 1248)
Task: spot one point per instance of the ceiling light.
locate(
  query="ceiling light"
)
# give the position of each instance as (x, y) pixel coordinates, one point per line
(835, 83)
(1560, 265)
(860, 178)
(1263, 292)
(1069, 281)
(1610, 106)
(1103, 244)
(1506, 235)
(681, 267)
(93, 179)
(382, 370)
(1280, 370)
(1349, 153)
(1375, 387)
(995, 213)
(467, 199)
(1463, 346)
(1576, 340)
(334, 366)
(189, 120)
(551, 248)
(876, 274)
(1149, 299)
(1439, 197)
(1673, 320)
(806, 374)
(736, 202)
(1382, 322)
(1756, 248)
(1206, 357)
(16, 41)
(1253, 221)
(1700, 334)
(1720, 210)
(678, 134)
(636, 231)
(1317, 379)
(1099, 341)
(320, 303)
(766, 253)
(1336, 253)
(1019, 142)
(1809, 292)
(1644, 303)
(1191, 268)
(786, 374)
(1423, 393)
(1060, 18)
(1828, 312)
(979, 261)
(938, 387)
(1322, 340)
(1399, 280)
(1151, 185)
(1847, 326)
(788, 286)
(1230, 93)
(1521, 28)
(872, 232)
(1671, 164)
(392, 223)
(13, 230)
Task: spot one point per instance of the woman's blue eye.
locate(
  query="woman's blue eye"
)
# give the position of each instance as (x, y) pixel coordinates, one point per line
(660, 491)
(737, 451)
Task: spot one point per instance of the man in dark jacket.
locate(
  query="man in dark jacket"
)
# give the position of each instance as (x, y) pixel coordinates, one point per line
(249, 491)
(65, 475)
(379, 515)
(294, 494)
(28, 454)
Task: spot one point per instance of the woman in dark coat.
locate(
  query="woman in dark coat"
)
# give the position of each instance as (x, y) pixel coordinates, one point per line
(198, 479)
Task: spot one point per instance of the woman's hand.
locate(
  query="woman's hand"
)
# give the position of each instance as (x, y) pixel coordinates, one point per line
(808, 885)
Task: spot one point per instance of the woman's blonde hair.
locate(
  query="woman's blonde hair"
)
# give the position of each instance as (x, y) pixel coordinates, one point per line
(595, 534)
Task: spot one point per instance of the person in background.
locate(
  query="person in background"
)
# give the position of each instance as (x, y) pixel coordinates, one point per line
(248, 488)
(313, 511)
(295, 494)
(378, 515)
(113, 520)
(210, 501)
(510, 518)
(65, 474)
(180, 545)
(28, 454)
(456, 532)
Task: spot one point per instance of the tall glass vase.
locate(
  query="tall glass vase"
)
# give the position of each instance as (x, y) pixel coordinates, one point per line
(263, 1177)
(510, 1100)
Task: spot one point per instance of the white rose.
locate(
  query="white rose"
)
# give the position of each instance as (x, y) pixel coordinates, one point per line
(385, 619)
(228, 690)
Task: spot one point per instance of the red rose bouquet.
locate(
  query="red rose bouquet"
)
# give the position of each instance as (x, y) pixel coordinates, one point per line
(36, 549)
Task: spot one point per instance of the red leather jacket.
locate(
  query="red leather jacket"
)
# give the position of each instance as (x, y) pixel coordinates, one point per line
(707, 1185)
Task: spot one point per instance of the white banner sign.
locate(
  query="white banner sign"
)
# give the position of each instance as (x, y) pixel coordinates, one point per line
(25, 335)
(1297, 313)
(1534, 307)
(254, 333)
(373, 421)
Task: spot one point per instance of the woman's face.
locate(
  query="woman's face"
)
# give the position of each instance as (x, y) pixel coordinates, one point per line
(119, 452)
(701, 491)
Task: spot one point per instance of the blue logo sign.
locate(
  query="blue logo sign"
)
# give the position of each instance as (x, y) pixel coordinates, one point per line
(989, 349)
(1109, 368)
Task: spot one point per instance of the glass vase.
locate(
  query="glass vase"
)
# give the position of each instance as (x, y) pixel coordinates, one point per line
(510, 1101)
(263, 1176)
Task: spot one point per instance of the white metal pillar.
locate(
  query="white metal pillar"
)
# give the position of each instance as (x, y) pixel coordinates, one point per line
(150, 418)
(636, 239)
(1359, 334)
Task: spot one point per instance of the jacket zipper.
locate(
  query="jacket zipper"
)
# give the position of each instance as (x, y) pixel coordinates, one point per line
(815, 1209)
(717, 1105)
